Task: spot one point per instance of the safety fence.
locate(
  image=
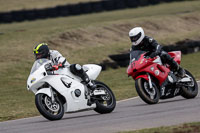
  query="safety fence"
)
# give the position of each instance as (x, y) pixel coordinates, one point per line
(75, 9)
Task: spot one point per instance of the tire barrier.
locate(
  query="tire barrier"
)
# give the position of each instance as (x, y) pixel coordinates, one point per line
(96, 7)
(63, 11)
(108, 5)
(18, 16)
(186, 47)
(86, 7)
(41, 14)
(121, 60)
(108, 64)
(75, 9)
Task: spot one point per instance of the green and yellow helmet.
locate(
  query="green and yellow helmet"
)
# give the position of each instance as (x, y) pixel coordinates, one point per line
(41, 51)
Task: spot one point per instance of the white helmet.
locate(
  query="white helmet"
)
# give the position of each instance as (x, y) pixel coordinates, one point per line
(136, 35)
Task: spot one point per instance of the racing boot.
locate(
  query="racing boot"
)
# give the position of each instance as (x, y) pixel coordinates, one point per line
(91, 86)
(77, 69)
(88, 82)
(181, 72)
(177, 68)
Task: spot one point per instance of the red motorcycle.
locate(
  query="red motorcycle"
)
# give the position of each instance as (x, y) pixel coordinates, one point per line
(150, 73)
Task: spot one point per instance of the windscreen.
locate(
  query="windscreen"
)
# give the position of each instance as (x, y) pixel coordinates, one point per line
(135, 55)
(37, 64)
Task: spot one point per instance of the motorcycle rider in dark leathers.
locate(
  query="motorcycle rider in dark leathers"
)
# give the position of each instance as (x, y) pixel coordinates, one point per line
(42, 51)
(148, 44)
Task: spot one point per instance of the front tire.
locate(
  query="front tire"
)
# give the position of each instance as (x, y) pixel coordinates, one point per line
(107, 103)
(190, 92)
(51, 111)
(150, 96)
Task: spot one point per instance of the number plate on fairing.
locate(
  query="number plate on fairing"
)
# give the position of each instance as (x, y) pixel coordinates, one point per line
(99, 92)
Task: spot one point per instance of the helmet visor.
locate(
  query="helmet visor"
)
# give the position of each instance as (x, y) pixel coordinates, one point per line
(136, 37)
(38, 56)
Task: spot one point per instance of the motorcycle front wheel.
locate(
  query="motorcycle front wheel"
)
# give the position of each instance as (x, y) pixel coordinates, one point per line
(51, 111)
(147, 94)
(105, 103)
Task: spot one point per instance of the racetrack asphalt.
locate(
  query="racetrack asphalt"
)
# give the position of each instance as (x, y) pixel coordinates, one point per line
(130, 114)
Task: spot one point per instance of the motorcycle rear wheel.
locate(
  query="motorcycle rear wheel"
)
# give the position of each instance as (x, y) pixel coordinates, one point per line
(51, 111)
(107, 103)
(190, 92)
(150, 96)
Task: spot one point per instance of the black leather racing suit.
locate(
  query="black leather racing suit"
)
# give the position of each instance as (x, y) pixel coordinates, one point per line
(148, 44)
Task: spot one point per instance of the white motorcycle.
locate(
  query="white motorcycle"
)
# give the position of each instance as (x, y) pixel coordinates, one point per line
(57, 92)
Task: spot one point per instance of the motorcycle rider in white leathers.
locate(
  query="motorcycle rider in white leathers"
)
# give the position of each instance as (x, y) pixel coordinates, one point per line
(42, 51)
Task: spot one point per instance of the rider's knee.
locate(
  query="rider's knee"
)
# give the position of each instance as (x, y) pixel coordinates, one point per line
(76, 69)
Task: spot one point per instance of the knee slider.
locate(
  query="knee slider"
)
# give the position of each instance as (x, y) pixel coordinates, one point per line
(75, 68)
(78, 67)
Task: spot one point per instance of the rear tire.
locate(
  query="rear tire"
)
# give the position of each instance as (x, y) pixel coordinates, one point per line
(190, 92)
(47, 109)
(140, 85)
(107, 103)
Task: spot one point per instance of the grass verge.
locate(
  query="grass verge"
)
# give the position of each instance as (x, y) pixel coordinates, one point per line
(183, 128)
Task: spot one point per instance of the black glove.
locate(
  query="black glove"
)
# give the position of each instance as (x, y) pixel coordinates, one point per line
(153, 54)
(48, 67)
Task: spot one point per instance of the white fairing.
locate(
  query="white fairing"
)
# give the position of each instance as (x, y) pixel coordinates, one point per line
(45, 91)
(64, 82)
(92, 70)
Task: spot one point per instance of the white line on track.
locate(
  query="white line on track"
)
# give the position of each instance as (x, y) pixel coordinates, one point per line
(127, 99)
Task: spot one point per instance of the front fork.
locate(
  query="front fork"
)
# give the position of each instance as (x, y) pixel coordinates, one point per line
(52, 95)
(150, 82)
(150, 90)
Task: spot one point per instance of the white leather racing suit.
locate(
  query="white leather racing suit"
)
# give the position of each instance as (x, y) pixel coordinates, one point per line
(57, 58)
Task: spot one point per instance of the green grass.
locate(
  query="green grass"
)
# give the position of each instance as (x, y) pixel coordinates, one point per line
(183, 128)
(91, 38)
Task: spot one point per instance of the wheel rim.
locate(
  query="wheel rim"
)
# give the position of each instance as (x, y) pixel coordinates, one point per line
(190, 86)
(50, 107)
(107, 99)
(149, 91)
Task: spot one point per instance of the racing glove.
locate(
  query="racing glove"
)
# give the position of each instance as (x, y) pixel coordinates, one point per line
(154, 54)
(56, 67)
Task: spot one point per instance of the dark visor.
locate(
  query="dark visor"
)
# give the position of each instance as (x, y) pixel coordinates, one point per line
(38, 56)
(136, 37)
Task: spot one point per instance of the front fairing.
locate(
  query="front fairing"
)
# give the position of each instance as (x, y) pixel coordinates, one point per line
(137, 62)
(37, 73)
(144, 65)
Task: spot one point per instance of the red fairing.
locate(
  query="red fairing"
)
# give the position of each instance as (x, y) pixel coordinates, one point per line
(176, 55)
(142, 76)
(140, 67)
